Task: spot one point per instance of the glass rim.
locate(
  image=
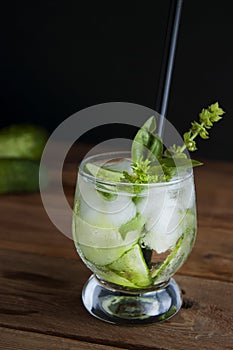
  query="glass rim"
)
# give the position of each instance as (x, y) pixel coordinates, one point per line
(126, 155)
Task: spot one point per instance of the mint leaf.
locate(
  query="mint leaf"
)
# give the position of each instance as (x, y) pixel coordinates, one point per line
(150, 125)
(146, 145)
(180, 162)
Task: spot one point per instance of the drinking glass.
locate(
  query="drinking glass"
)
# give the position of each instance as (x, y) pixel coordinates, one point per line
(133, 237)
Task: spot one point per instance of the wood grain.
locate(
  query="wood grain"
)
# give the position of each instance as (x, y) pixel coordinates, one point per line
(13, 339)
(43, 294)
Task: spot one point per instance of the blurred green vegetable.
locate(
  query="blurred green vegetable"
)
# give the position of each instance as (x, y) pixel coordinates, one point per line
(21, 148)
(25, 141)
(19, 175)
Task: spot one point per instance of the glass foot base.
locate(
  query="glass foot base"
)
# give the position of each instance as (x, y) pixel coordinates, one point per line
(131, 307)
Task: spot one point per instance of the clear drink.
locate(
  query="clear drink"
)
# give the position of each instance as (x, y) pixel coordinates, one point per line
(132, 237)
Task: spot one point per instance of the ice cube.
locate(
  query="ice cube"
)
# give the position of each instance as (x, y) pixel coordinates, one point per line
(164, 214)
(99, 211)
(151, 202)
(165, 208)
(163, 232)
(188, 193)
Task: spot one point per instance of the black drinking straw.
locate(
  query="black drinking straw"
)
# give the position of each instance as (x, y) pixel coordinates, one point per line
(168, 61)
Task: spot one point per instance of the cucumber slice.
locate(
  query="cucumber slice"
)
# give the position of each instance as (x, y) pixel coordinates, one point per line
(112, 277)
(103, 173)
(99, 237)
(132, 267)
(134, 224)
(102, 256)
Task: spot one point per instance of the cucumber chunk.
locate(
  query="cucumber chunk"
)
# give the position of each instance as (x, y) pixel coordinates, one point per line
(106, 275)
(132, 267)
(134, 224)
(100, 237)
(114, 278)
(103, 173)
(102, 256)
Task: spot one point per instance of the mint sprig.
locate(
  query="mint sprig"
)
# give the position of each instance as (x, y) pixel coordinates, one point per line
(153, 164)
(144, 173)
(207, 118)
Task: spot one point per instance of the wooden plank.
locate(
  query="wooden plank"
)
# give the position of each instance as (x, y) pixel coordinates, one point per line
(212, 255)
(43, 294)
(25, 226)
(12, 339)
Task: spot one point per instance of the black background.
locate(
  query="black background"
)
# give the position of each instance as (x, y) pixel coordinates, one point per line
(57, 58)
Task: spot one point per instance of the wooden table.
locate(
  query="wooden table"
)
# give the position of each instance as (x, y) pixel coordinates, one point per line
(41, 279)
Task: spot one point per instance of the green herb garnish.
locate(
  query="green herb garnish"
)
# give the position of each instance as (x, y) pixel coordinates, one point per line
(207, 117)
(144, 173)
(151, 163)
(146, 144)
